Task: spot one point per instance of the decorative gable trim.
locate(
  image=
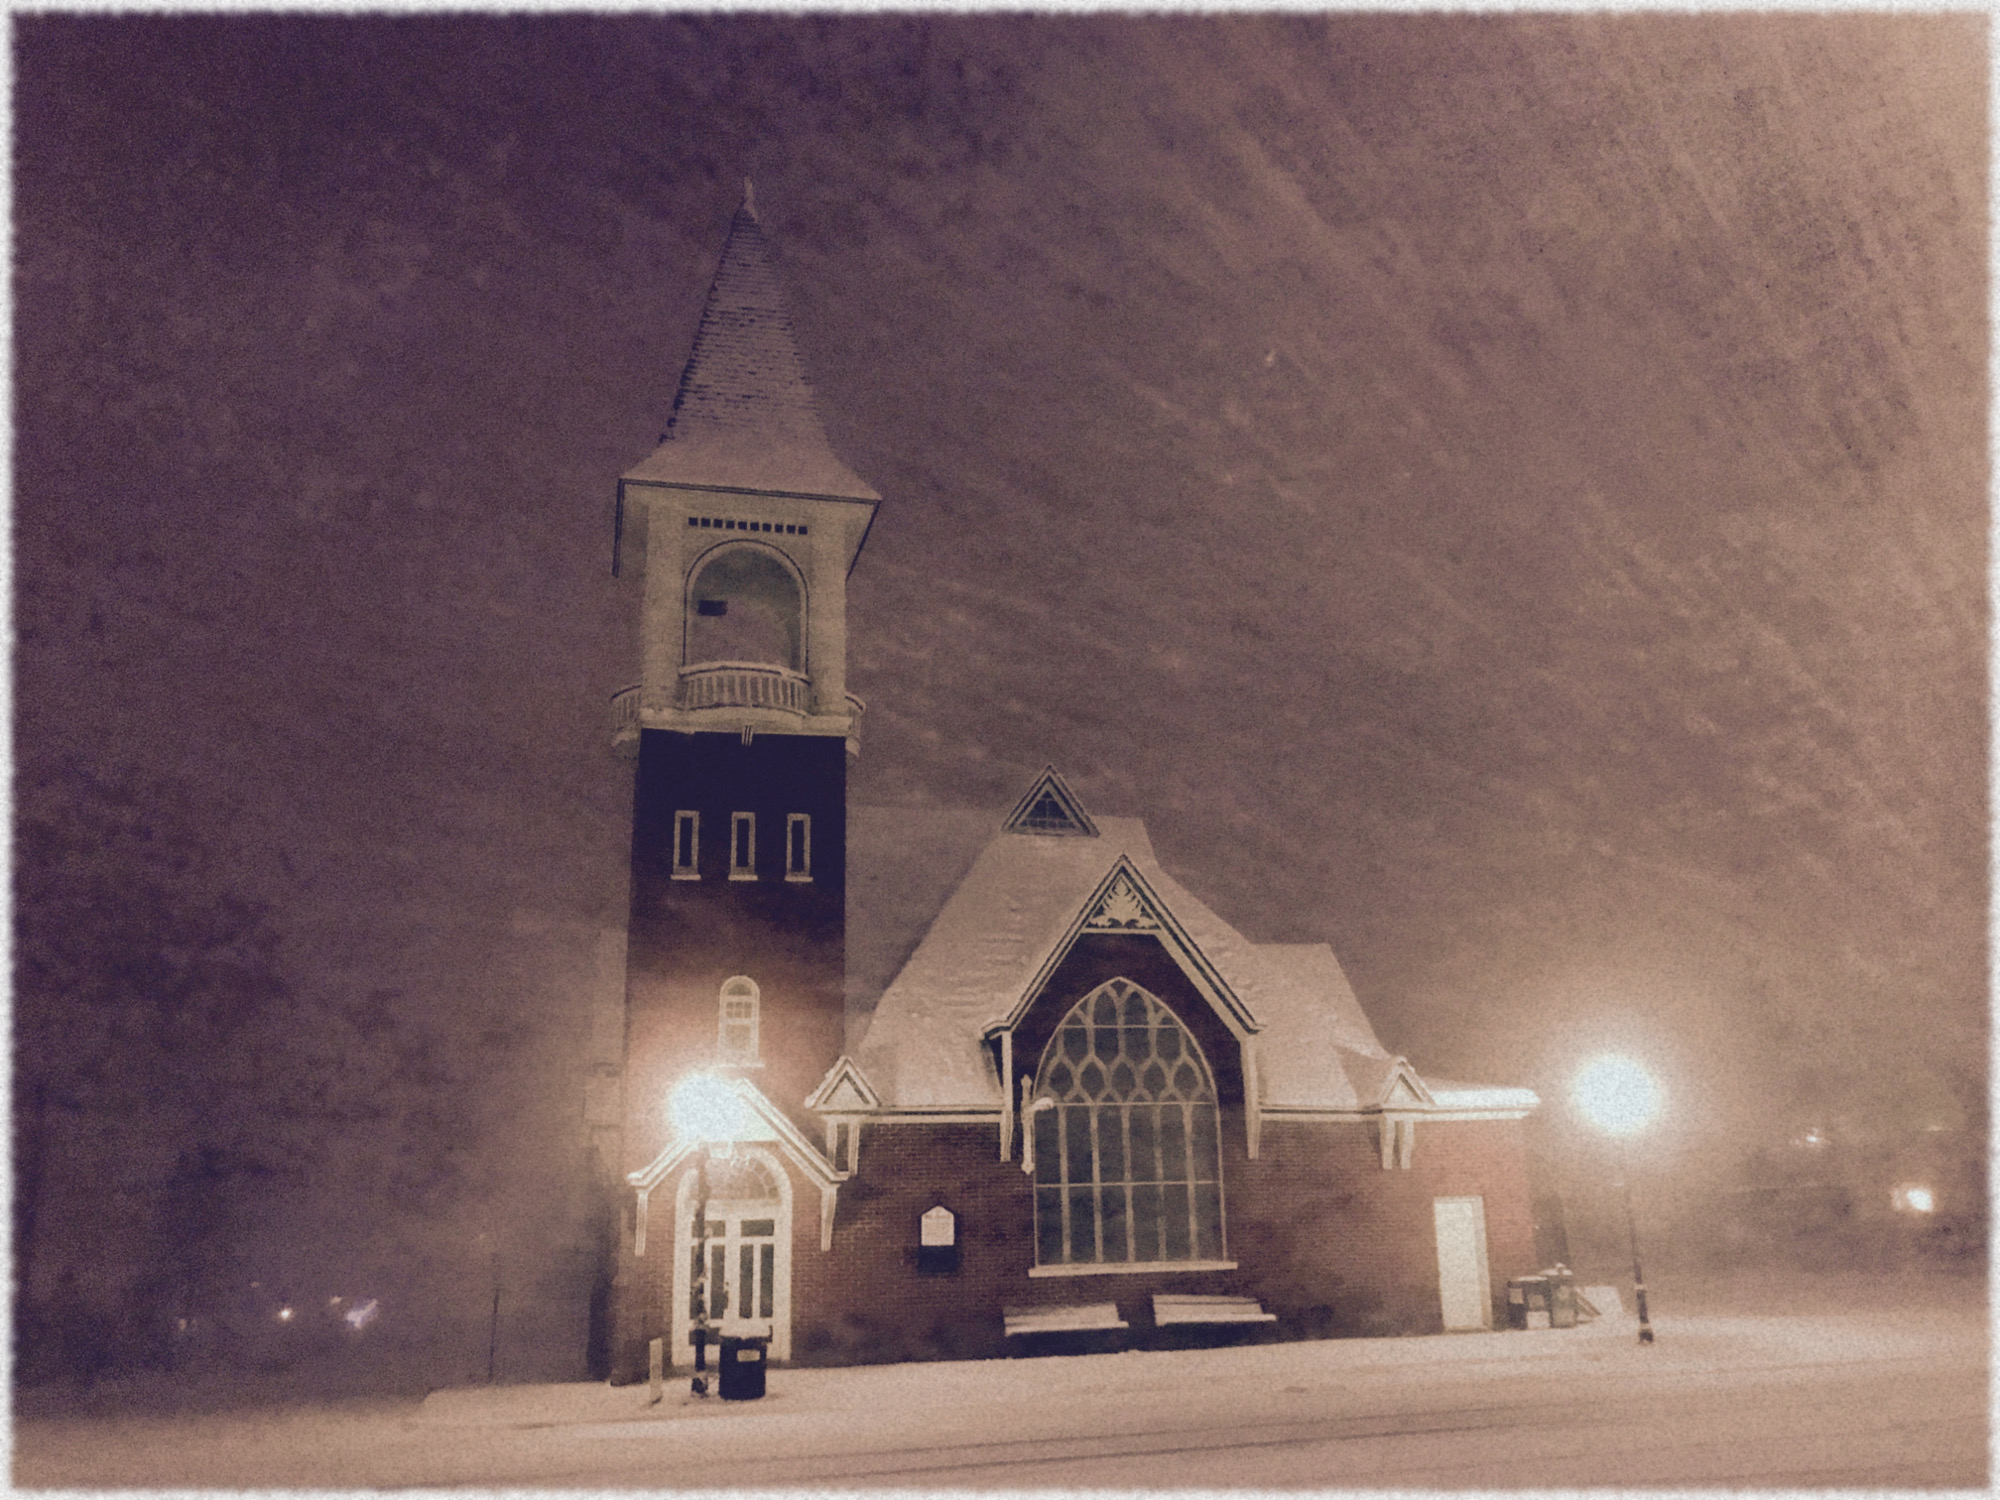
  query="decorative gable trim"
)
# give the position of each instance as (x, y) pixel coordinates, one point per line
(1203, 974)
(1050, 807)
(1124, 903)
(844, 1090)
(1121, 908)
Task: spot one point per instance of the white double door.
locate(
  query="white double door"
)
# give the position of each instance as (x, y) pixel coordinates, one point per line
(742, 1280)
(748, 1251)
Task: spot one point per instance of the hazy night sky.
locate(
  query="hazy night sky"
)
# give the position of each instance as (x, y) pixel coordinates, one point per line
(1505, 496)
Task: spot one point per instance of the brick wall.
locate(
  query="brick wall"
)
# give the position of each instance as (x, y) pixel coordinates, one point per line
(1335, 1244)
(1322, 1234)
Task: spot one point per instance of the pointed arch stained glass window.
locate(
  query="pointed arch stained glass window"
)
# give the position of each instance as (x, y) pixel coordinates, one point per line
(1128, 1163)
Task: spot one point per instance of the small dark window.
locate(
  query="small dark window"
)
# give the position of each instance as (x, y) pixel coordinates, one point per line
(687, 845)
(743, 846)
(711, 607)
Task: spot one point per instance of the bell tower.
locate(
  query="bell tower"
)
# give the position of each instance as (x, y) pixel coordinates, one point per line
(745, 526)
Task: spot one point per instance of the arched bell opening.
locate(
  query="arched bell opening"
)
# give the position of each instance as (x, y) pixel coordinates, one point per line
(745, 605)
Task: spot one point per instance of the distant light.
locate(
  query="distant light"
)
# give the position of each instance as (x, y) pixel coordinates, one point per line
(1812, 1135)
(1914, 1198)
(704, 1108)
(362, 1313)
(1616, 1095)
(284, 1315)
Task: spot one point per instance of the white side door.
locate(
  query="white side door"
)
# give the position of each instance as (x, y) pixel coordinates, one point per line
(1464, 1284)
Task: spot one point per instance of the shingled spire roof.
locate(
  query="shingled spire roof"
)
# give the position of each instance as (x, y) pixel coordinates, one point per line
(744, 417)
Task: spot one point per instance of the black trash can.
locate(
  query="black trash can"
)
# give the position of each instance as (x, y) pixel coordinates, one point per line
(1528, 1302)
(741, 1376)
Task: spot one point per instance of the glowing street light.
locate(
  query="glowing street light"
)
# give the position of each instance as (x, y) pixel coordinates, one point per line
(1617, 1095)
(1620, 1098)
(706, 1110)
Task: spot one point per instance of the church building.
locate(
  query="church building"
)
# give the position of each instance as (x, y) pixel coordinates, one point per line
(954, 1084)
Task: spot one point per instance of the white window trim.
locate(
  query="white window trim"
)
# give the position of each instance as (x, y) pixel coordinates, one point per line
(738, 821)
(692, 869)
(752, 1056)
(804, 873)
(1130, 1267)
(1193, 1050)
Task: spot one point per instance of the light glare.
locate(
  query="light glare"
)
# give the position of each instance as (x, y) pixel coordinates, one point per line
(1914, 1198)
(704, 1108)
(1617, 1095)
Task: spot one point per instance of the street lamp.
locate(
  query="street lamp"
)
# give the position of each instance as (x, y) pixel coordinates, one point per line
(1619, 1098)
(707, 1111)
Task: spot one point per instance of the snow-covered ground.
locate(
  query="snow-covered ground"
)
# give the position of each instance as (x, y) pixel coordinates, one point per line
(1888, 1391)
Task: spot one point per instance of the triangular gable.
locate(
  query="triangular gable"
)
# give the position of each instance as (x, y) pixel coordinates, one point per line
(1124, 902)
(844, 1090)
(1404, 1089)
(765, 1125)
(1050, 807)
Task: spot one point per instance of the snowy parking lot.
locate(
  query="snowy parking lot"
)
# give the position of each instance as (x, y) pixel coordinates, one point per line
(1876, 1391)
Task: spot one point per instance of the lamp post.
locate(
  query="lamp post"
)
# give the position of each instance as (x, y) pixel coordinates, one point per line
(707, 1111)
(1619, 1098)
(698, 1331)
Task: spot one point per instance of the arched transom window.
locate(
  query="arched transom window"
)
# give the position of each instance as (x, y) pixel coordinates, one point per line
(1127, 1161)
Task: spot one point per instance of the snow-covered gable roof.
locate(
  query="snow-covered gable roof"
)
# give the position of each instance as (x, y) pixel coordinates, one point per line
(1023, 894)
(1009, 921)
(931, 973)
(1318, 1050)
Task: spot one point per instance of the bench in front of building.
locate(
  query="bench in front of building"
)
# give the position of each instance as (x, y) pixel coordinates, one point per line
(1086, 1317)
(1177, 1308)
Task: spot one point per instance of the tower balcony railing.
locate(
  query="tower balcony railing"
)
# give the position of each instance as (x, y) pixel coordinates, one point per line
(742, 684)
(625, 722)
(725, 685)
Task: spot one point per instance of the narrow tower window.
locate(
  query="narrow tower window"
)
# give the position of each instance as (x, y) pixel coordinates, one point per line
(798, 846)
(687, 845)
(743, 846)
(736, 1035)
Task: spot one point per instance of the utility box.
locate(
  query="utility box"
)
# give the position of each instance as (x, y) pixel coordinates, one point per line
(1562, 1296)
(1528, 1303)
(741, 1377)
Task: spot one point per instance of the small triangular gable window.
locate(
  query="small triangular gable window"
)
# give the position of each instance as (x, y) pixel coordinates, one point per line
(1050, 807)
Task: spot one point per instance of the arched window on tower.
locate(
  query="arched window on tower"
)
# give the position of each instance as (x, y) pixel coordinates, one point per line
(1128, 1165)
(736, 1026)
(744, 606)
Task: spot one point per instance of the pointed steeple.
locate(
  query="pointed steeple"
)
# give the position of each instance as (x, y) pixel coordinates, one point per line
(1050, 807)
(744, 417)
